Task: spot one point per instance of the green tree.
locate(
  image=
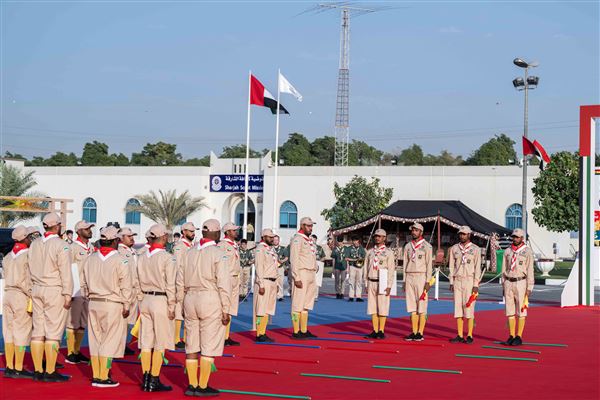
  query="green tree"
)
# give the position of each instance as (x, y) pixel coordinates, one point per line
(238, 151)
(412, 155)
(58, 159)
(14, 156)
(18, 183)
(296, 151)
(356, 201)
(556, 194)
(96, 154)
(499, 150)
(159, 153)
(322, 151)
(167, 208)
(360, 153)
(444, 158)
(119, 160)
(199, 162)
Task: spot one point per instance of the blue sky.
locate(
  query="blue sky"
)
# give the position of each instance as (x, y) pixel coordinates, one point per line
(435, 73)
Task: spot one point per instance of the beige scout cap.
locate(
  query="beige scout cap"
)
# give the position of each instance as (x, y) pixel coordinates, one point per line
(109, 233)
(306, 221)
(417, 225)
(267, 232)
(189, 226)
(19, 233)
(518, 232)
(147, 235)
(158, 230)
(51, 219)
(211, 225)
(380, 232)
(230, 226)
(464, 229)
(32, 229)
(126, 232)
(83, 225)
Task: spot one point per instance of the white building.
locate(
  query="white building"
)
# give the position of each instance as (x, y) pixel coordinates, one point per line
(100, 194)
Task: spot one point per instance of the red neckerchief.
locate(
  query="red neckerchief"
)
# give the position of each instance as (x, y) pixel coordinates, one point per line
(416, 246)
(18, 247)
(376, 252)
(155, 246)
(83, 244)
(47, 234)
(270, 251)
(106, 250)
(204, 242)
(463, 251)
(516, 250)
(186, 243)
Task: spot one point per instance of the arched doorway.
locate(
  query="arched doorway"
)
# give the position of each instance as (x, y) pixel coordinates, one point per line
(239, 218)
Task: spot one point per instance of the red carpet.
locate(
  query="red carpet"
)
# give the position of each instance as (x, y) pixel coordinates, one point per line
(561, 373)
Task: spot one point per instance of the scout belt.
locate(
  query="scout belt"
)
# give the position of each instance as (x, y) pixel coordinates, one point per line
(374, 280)
(155, 293)
(514, 279)
(271, 279)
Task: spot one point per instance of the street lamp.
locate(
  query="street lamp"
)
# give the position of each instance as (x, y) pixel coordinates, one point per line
(524, 84)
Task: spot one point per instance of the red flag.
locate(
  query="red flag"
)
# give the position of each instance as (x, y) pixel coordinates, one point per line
(537, 150)
(541, 152)
(260, 96)
(528, 147)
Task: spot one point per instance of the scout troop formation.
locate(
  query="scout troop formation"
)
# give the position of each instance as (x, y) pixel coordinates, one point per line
(200, 286)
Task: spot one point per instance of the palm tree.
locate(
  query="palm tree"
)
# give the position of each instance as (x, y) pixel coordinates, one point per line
(15, 182)
(167, 208)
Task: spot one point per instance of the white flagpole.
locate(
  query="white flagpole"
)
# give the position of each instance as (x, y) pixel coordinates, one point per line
(276, 175)
(245, 227)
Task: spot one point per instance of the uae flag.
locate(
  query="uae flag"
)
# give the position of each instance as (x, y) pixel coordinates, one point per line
(535, 148)
(260, 96)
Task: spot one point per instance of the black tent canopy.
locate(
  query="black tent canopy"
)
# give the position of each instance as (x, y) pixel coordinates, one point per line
(450, 212)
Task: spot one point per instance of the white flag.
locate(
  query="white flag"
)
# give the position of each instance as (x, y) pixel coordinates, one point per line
(286, 87)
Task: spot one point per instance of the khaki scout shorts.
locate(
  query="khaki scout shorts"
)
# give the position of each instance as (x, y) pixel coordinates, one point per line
(78, 313)
(414, 285)
(463, 288)
(16, 321)
(265, 304)
(204, 329)
(156, 329)
(49, 314)
(377, 303)
(106, 328)
(514, 295)
(304, 299)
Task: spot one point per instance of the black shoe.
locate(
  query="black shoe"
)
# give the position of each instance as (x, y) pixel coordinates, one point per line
(263, 339)
(55, 377)
(280, 299)
(82, 359)
(517, 341)
(410, 338)
(23, 374)
(372, 335)
(206, 392)
(359, 300)
(180, 345)
(457, 339)
(351, 299)
(509, 341)
(298, 336)
(469, 340)
(9, 373)
(231, 342)
(38, 376)
(419, 337)
(145, 386)
(107, 383)
(157, 386)
(57, 366)
(190, 391)
(380, 335)
(129, 351)
(309, 335)
(72, 359)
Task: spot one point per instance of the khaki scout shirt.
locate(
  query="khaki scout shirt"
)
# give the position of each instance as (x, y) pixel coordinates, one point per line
(378, 259)
(303, 254)
(266, 261)
(107, 277)
(16, 271)
(422, 261)
(156, 272)
(50, 264)
(233, 261)
(131, 256)
(79, 252)
(206, 269)
(470, 268)
(523, 267)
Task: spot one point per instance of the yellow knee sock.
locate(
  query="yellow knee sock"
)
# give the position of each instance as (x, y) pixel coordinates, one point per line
(422, 320)
(51, 348)
(206, 364)
(521, 326)
(19, 356)
(303, 321)
(459, 326)
(95, 361)
(470, 325)
(382, 323)
(375, 321)
(191, 367)
(9, 353)
(511, 325)
(70, 341)
(262, 328)
(78, 339)
(105, 364)
(145, 357)
(414, 321)
(296, 322)
(37, 354)
(227, 329)
(177, 331)
(157, 360)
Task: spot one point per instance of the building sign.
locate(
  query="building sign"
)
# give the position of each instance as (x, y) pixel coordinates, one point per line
(236, 183)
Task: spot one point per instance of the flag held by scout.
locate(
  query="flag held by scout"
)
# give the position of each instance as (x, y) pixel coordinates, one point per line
(472, 299)
(525, 305)
(424, 294)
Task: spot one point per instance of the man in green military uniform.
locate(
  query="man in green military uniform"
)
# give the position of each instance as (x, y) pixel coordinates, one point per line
(339, 267)
(281, 261)
(355, 258)
(246, 261)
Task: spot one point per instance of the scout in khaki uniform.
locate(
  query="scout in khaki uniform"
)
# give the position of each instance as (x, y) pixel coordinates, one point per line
(282, 259)
(303, 260)
(126, 241)
(156, 272)
(50, 269)
(465, 264)
(188, 233)
(379, 260)
(417, 270)
(265, 284)
(107, 284)
(355, 257)
(205, 287)
(16, 319)
(518, 281)
(246, 261)
(78, 314)
(231, 250)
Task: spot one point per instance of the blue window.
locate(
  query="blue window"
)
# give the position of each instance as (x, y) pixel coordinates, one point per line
(181, 221)
(132, 217)
(288, 215)
(514, 216)
(89, 210)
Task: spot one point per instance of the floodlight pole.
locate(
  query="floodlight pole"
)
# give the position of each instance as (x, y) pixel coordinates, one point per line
(525, 159)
